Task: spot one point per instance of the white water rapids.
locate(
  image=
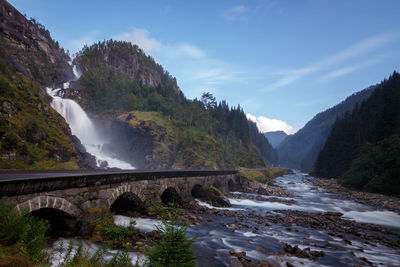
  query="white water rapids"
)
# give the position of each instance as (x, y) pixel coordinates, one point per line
(83, 127)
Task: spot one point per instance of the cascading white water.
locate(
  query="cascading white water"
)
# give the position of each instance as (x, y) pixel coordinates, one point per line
(83, 127)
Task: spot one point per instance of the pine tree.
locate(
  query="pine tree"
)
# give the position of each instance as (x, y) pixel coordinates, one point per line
(174, 248)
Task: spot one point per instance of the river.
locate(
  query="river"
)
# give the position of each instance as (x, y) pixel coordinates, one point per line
(262, 227)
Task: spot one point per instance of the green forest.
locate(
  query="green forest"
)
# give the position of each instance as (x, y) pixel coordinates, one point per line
(363, 148)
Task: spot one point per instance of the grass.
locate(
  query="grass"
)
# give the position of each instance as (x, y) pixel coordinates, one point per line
(35, 132)
(263, 176)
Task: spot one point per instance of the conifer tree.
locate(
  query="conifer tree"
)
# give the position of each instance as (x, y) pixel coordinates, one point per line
(174, 248)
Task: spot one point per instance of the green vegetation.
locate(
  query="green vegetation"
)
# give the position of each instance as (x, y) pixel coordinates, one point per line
(376, 168)
(119, 78)
(23, 240)
(263, 176)
(83, 257)
(174, 248)
(214, 190)
(362, 149)
(22, 237)
(32, 135)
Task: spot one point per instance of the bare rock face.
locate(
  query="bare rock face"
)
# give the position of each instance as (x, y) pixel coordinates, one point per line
(136, 145)
(7, 109)
(44, 56)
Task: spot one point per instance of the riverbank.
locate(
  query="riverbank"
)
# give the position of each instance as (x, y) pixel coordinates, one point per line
(380, 201)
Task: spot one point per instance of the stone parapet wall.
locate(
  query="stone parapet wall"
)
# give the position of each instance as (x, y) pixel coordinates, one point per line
(96, 191)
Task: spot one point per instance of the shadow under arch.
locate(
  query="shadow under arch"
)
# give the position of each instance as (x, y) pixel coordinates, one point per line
(170, 195)
(61, 223)
(127, 202)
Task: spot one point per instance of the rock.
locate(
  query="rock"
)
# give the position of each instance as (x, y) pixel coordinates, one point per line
(306, 253)
(210, 196)
(7, 109)
(85, 160)
(237, 254)
(85, 222)
(265, 264)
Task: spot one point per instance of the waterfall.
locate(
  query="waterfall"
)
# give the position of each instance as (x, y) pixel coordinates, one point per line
(83, 127)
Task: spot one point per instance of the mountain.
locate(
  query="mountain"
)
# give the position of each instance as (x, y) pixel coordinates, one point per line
(299, 151)
(151, 123)
(32, 134)
(134, 103)
(363, 148)
(275, 138)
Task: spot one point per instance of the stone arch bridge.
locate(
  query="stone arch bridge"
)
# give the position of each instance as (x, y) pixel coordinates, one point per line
(73, 193)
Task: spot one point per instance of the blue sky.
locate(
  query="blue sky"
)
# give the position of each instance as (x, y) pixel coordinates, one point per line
(282, 61)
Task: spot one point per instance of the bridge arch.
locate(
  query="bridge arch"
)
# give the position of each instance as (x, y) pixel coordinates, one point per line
(49, 202)
(127, 188)
(197, 191)
(171, 195)
(128, 202)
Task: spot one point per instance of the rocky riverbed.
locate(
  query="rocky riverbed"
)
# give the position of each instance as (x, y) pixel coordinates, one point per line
(294, 223)
(379, 201)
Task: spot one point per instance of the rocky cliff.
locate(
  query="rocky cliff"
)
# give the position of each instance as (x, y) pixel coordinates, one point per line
(30, 48)
(32, 134)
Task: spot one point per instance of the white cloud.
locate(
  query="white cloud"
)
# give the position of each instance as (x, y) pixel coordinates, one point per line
(183, 50)
(154, 47)
(355, 50)
(141, 38)
(235, 13)
(352, 68)
(265, 124)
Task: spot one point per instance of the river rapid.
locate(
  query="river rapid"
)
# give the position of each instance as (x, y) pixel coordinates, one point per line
(327, 231)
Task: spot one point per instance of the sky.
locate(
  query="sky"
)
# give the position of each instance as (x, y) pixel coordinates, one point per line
(282, 61)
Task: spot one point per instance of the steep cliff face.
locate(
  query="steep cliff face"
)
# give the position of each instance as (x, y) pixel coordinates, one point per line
(29, 48)
(32, 134)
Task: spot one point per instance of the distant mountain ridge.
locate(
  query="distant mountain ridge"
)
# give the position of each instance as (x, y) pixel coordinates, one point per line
(300, 151)
(275, 138)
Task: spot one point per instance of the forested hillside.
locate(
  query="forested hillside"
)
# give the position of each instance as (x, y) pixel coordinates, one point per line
(275, 138)
(118, 78)
(300, 150)
(363, 148)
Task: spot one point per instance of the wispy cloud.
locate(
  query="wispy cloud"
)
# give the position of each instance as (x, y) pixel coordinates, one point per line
(238, 12)
(183, 50)
(141, 37)
(154, 47)
(361, 48)
(244, 12)
(265, 124)
(352, 68)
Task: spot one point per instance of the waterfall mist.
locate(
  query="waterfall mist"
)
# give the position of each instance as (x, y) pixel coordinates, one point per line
(83, 127)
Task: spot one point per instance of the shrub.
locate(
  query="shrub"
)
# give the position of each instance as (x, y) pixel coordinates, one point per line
(82, 257)
(10, 141)
(21, 233)
(174, 248)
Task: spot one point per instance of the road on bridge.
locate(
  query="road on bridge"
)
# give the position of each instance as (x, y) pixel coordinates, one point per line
(14, 175)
